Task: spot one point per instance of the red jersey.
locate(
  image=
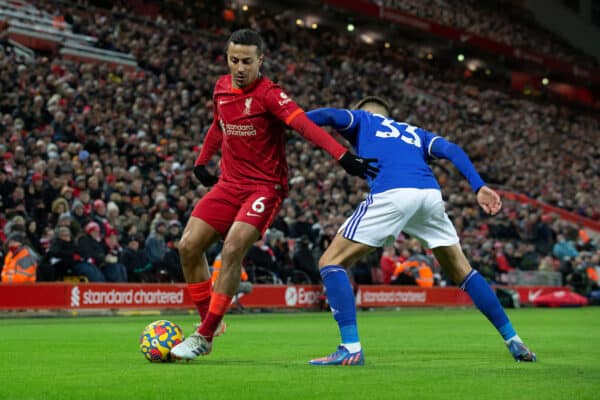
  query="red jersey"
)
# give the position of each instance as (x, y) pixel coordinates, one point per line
(249, 126)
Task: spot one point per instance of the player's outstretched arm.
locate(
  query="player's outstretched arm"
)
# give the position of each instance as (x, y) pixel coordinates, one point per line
(294, 117)
(353, 164)
(489, 200)
(442, 148)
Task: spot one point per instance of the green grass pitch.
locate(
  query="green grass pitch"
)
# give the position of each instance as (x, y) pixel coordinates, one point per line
(410, 354)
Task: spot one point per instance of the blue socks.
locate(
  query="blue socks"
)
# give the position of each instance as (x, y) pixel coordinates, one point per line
(486, 301)
(341, 301)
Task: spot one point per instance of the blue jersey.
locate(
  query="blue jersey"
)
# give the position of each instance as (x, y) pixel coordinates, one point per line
(403, 150)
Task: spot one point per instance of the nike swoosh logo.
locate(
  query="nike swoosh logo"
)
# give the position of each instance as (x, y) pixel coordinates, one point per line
(532, 295)
(222, 101)
(252, 214)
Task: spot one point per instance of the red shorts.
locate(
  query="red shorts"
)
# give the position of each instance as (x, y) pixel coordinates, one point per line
(227, 203)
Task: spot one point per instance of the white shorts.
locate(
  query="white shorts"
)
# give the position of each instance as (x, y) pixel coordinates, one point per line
(419, 212)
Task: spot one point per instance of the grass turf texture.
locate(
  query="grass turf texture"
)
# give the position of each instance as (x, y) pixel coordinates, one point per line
(413, 354)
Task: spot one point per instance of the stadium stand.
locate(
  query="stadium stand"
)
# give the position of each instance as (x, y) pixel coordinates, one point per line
(126, 132)
(497, 21)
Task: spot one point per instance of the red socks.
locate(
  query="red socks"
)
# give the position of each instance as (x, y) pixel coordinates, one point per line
(211, 306)
(200, 294)
(219, 304)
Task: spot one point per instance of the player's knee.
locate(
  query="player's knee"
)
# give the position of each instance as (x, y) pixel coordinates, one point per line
(333, 256)
(325, 260)
(231, 252)
(188, 249)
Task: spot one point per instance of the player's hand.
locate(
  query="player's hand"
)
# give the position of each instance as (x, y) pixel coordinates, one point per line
(358, 166)
(205, 177)
(489, 200)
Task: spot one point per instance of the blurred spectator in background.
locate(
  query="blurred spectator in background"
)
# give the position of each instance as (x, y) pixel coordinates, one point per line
(564, 249)
(155, 247)
(387, 263)
(173, 231)
(15, 203)
(113, 268)
(529, 258)
(59, 207)
(172, 260)
(16, 224)
(303, 226)
(61, 257)
(78, 215)
(99, 216)
(20, 263)
(34, 236)
(113, 215)
(261, 255)
(35, 199)
(277, 241)
(93, 254)
(303, 259)
(413, 272)
(139, 268)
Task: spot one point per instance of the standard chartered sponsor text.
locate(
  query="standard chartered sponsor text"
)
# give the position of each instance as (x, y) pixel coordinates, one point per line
(239, 130)
(132, 296)
(392, 297)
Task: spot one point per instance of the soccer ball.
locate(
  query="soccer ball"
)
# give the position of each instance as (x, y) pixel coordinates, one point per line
(158, 339)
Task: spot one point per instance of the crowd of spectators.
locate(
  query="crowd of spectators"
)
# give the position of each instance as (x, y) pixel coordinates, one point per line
(493, 20)
(102, 158)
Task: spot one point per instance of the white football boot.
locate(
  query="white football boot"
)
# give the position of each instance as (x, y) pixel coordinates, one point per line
(193, 346)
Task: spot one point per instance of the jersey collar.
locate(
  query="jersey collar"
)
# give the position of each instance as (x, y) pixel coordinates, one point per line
(246, 89)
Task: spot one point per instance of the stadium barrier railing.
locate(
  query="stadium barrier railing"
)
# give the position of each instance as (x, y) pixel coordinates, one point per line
(537, 278)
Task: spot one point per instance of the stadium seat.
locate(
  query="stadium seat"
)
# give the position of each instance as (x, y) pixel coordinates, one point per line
(298, 277)
(259, 275)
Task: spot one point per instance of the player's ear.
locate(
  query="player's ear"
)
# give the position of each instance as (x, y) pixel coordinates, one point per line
(260, 60)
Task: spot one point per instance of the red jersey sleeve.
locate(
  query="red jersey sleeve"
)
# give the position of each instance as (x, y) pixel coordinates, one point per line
(280, 104)
(212, 141)
(285, 109)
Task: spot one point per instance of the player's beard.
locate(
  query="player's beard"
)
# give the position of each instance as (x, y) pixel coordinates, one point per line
(241, 80)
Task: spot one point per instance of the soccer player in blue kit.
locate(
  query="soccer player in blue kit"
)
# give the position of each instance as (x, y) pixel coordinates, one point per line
(405, 196)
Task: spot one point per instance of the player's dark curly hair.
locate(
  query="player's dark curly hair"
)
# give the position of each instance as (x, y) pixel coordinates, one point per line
(372, 99)
(247, 37)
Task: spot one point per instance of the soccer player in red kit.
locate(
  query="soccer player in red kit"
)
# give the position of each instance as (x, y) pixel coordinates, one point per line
(251, 114)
